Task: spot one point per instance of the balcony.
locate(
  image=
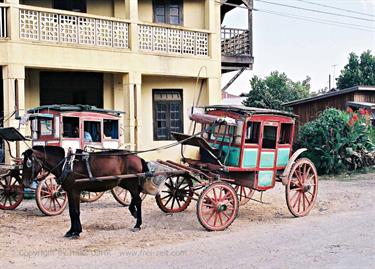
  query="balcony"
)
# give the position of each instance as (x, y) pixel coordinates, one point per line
(71, 28)
(3, 21)
(236, 49)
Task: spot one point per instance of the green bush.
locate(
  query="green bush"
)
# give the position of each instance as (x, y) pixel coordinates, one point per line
(337, 141)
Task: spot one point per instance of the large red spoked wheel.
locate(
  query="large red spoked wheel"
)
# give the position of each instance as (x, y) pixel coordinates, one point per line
(50, 198)
(244, 194)
(176, 195)
(217, 206)
(302, 188)
(123, 196)
(89, 197)
(11, 192)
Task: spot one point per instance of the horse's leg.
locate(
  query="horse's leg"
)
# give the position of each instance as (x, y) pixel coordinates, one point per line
(75, 227)
(71, 213)
(138, 204)
(132, 208)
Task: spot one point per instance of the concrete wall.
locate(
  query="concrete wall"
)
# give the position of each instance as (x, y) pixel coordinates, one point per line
(189, 91)
(193, 13)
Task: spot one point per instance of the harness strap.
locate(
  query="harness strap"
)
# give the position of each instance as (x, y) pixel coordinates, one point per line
(86, 158)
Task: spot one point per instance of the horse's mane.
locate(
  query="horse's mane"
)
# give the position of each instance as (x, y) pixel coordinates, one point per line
(105, 152)
(55, 150)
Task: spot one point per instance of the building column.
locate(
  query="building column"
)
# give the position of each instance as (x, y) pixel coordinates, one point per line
(13, 19)
(132, 85)
(131, 13)
(14, 103)
(214, 91)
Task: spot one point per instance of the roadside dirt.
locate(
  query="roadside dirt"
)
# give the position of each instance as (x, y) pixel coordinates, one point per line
(28, 237)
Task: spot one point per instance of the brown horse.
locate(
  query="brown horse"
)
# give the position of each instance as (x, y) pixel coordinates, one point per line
(106, 163)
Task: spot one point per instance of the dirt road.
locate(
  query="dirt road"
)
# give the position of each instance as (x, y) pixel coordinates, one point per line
(338, 233)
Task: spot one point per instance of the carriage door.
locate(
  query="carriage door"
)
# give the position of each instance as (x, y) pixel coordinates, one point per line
(268, 155)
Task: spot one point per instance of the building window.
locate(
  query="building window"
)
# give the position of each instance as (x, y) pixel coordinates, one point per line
(168, 11)
(71, 5)
(168, 116)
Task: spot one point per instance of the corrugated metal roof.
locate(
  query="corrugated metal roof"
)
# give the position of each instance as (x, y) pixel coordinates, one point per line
(86, 108)
(250, 110)
(330, 94)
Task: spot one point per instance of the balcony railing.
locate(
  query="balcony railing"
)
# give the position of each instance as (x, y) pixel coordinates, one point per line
(172, 40)
(73, 29)
(3, 22)
(235, 42)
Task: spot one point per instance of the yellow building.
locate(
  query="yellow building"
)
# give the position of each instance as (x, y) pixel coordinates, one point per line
(138, 56)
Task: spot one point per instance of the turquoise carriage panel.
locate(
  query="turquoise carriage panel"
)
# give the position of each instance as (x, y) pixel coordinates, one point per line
(267, 159)
(233, 158)
(250, 158)
(265, 178)
(282, 156)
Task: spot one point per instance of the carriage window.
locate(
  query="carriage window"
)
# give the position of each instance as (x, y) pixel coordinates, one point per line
(269, 137)
(223, 131)
(252, 132)
(111, 129)
(71, 127)
(92, 131)
(285, 133)
(45, 126)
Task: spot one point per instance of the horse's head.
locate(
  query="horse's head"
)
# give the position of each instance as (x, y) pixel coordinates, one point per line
(31, 167)
(48, 158)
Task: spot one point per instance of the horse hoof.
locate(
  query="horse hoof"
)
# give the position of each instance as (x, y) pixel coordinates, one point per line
(72, 235)
(134, 230)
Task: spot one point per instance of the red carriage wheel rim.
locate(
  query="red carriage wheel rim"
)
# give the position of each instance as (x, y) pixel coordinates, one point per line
(50, 197)
(217, 207)
(176, 195)
(11, 193)
(302, 188)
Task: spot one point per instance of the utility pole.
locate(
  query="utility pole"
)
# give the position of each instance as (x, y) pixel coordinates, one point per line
(334, 75)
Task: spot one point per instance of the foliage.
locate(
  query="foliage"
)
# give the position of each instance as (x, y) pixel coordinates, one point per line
(274, 90)
(338, 141)
(358, 71)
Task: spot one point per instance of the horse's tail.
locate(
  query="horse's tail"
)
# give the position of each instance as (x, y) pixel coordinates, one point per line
(144, 166)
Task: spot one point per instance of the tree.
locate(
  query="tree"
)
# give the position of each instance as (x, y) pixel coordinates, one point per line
(358, 71)
(274, 90)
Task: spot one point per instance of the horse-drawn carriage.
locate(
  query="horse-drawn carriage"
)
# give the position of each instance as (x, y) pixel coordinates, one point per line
(241, 150)
(66, 126)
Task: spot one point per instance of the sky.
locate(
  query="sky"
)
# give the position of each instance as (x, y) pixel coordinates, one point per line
(302, 48)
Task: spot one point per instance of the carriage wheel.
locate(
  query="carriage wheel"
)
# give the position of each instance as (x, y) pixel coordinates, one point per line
(123, 196)
(176, 195)
(217, 206)
(244, 194)
(51, 199)
(89, 197)
(302, 188)
(11, 193)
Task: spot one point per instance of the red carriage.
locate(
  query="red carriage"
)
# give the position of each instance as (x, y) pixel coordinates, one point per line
(241, 150)
(67, 126)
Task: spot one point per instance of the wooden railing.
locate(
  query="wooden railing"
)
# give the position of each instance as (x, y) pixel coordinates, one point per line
(3, 21)
(70, 28)
(235, 42)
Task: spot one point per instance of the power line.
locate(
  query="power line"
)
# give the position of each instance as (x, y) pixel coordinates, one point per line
(337, 8)
(315, 10)
(321, 21)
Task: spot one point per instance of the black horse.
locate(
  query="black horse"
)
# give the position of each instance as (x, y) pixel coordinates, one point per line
(106, 163)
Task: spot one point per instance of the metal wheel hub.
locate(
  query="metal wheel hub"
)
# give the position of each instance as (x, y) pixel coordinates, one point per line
(221, 207)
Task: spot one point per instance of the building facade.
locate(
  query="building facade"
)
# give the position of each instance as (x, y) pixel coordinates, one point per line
(152, 59)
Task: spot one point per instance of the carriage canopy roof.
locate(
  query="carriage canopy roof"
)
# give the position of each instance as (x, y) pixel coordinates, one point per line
(79, 108)
(244, 110)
